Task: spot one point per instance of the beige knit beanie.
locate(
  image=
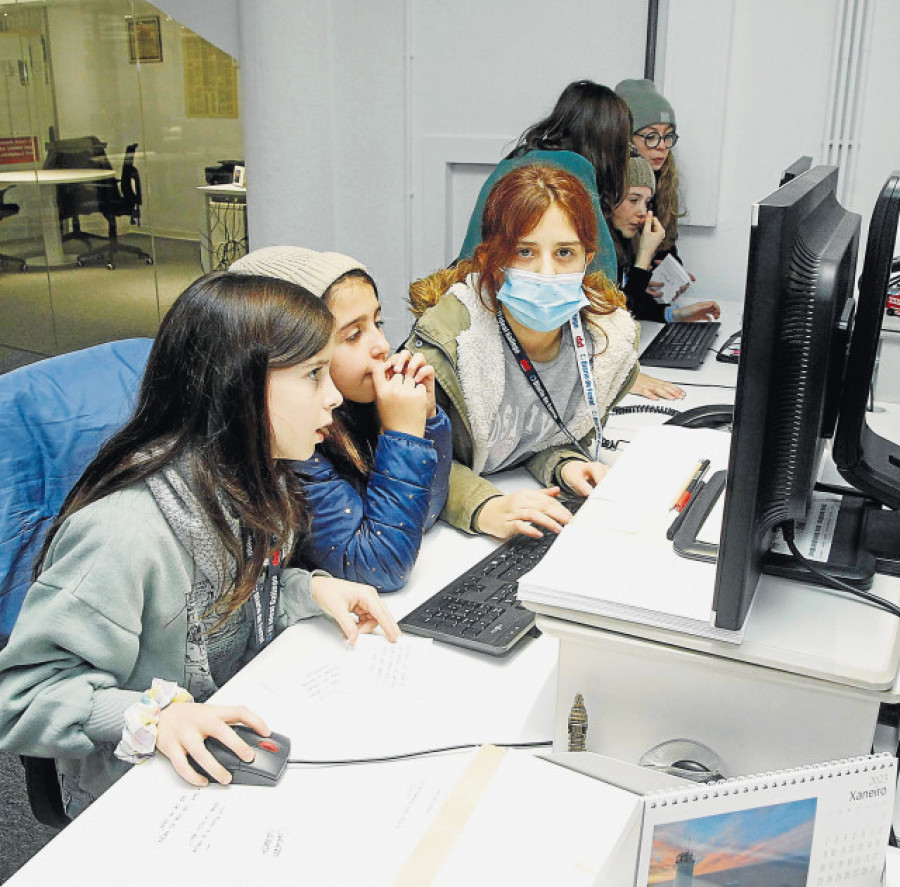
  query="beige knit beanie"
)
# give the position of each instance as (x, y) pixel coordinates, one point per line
(640, 174)
(312, 270)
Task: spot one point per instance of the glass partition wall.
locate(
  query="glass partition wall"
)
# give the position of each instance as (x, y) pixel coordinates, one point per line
(81, 81)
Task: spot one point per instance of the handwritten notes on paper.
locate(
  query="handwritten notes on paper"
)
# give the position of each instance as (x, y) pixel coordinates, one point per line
(378, 699)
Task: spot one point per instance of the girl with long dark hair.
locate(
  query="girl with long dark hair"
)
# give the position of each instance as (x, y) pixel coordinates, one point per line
(164, 571)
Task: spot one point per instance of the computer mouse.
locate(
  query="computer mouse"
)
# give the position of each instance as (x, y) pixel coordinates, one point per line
(265, 769)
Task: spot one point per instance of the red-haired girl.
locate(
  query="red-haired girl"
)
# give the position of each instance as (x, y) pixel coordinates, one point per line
(529, 353)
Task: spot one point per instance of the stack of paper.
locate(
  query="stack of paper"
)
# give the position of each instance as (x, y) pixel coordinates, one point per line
(614, 559)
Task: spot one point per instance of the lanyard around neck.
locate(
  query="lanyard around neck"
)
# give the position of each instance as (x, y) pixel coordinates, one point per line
(265, 594)
(534, 380)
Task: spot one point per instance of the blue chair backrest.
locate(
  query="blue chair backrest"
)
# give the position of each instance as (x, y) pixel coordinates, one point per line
(54, 417)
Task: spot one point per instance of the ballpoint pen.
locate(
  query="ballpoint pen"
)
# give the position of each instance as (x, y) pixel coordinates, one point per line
(696, 476)
(675, 526)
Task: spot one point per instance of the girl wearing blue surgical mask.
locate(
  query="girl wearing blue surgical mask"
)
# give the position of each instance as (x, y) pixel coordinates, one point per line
(529, 353)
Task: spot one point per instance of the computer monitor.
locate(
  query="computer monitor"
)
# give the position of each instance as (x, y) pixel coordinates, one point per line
(798, 310)
(866, 459)
(799, 166)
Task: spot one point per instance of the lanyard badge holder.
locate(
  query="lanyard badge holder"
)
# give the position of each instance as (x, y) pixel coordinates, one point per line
(534, 380)
(265, 594)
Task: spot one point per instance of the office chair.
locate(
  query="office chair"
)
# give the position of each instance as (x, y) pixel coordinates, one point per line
(7, 210)
(116, 198)
(76, 200)
(54, 416)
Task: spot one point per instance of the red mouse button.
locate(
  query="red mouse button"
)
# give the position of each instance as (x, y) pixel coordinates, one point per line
(267, 745)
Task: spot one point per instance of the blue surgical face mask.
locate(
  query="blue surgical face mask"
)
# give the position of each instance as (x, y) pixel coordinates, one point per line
(542, 302)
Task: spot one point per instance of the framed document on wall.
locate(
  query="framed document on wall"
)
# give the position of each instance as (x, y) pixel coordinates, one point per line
(144, 39)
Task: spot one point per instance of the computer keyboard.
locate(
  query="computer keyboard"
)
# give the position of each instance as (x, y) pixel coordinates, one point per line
(478, 609)
(680, 345)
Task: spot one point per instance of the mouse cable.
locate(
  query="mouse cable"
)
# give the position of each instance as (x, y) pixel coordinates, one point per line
(681, 384)
(787, 530)
(418, 754)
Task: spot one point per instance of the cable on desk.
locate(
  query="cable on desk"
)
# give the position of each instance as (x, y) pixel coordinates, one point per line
(418, 754)
(644, 408)
(703, 385)
(787, 530)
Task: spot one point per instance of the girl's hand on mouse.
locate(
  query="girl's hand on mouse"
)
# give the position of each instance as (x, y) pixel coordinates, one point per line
(581, 477)
(355, 607)
(183, 727)
(525, 512)
(402, 403)
(654, 389)
(415, 367)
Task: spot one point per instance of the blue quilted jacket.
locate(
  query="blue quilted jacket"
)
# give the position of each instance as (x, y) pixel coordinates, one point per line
(372, 533)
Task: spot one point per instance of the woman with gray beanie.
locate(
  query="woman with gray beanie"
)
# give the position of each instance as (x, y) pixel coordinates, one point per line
(654, 135)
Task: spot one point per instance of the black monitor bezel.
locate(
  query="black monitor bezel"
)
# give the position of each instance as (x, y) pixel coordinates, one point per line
(746, 526)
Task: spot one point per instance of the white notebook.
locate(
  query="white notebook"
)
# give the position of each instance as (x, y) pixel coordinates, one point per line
(817, 825)
(671, 274)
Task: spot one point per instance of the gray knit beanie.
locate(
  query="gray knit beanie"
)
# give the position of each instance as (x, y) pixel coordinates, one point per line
(313, 270)
(647, 105)
(640, 174)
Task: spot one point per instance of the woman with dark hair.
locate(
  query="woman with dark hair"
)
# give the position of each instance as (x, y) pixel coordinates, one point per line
(379, 479)
(529, 353)
(591, 120)
(162, 574)
(588, 121)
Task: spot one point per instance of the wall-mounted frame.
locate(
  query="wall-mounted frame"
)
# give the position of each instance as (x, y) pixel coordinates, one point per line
(144, 40)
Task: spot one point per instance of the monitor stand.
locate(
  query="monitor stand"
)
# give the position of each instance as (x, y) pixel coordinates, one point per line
(865, 541)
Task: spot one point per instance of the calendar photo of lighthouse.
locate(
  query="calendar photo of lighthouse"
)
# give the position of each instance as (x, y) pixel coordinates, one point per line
(760, 845)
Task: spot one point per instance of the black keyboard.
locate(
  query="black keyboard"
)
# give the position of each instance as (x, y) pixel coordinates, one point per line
(680, 345)
(478, 609)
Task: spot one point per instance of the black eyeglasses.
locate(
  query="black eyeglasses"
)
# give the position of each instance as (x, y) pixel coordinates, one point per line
(653, 138)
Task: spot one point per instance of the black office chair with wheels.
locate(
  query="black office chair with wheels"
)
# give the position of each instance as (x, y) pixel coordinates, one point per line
(119, 197)
(74, 199)
(7, 210)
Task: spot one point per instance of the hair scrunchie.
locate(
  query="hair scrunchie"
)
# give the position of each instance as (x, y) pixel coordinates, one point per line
(142, 720)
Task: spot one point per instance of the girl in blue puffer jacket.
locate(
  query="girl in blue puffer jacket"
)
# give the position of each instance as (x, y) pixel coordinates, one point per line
(379, 479)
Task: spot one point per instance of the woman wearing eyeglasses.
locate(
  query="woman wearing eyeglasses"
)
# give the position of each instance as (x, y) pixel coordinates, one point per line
(653, 137)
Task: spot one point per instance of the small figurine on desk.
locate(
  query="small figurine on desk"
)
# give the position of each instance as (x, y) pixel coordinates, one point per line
(578, 724)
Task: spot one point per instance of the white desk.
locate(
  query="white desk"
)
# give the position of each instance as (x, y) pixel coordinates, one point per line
(472, 699)
(804, 686)
(47, 180)
(466, 705)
